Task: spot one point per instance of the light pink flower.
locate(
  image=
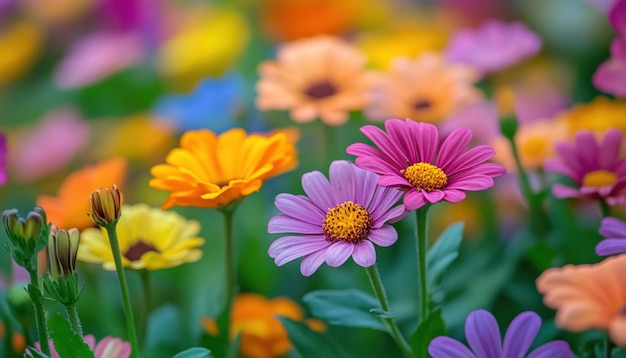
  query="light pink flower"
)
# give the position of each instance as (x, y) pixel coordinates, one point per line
(108, 347)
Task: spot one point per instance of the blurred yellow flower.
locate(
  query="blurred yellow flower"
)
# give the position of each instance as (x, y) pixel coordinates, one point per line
(207, 43)
(19, 45)
(597, 116)
(212, 171)
(121, 140)
(321, 76)
(425, 89)
(262, 335)
(149, 239)
(71, 205)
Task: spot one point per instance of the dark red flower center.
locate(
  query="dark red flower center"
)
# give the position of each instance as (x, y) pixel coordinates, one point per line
(138, 249)
(321, 90)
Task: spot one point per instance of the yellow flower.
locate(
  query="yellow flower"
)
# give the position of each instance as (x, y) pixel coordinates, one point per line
(149, 239)
(322, 76)
(19, 46)
(254, 318)
(598, 116)
(212, 171)
(425, 89)
(200, 48)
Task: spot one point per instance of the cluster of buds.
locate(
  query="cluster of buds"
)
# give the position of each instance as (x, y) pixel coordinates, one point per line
(27, 236)
(61, 283)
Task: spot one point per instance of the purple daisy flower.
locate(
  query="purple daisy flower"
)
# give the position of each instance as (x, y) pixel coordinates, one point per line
(4, 177)
(614, 232)
(484, 339)
(596, 168)
(610, 77)
(412, 157)
(493, 46)
(336, 219)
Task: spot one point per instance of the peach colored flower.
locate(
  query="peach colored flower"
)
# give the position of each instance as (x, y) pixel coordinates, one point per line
(426, 89)
(321, 77)
(588, 296)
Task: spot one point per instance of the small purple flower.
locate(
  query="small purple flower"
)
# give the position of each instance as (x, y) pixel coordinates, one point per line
(4, 177)
(484, 339)
(494, 46)
(614, 232)
(414, 158)
(596, 169)
(336, 219)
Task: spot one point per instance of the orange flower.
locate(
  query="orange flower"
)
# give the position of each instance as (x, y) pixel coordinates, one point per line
(254, 317)
(317, 77)
(211, 171)
(71, 205)
(588, 296)
(425, 89)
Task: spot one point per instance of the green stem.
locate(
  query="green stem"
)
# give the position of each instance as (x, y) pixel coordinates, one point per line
(606, 208)
(72, 316)
(421, 232)
(609, 347)
(231, 273)
(40, 314)
(128, 311)
(147, 303)
(379, 291)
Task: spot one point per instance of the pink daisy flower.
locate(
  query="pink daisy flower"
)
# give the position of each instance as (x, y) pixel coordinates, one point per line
(414, 158)
(108, 347)
(336, 219)
(596, 169)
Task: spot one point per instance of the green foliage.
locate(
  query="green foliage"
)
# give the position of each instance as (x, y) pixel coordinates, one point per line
(310, 344)
(67, 343)
(443, 253)
(428, 329)
(349, 308)
(195, 352)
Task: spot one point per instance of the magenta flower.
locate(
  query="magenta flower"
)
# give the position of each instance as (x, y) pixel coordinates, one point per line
(610, 77)
(596, 169)
(4, 177)
(484, 339)
(108, 347)
(412, 157)
(614, 232)
(335, 220)
(494, 46)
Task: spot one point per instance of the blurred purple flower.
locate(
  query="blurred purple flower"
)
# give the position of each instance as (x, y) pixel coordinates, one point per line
(481, 118)
(610, 77)
(95, 57)
(614, 232)
(49, 146)
(484, 339)
(597, 170)
(4, 177)
(336, 220)
(493, 46)
(214, 104)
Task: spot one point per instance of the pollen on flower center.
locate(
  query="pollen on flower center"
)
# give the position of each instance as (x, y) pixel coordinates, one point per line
(599, 178)
(425, 176)
(320, 90)
(347, 222)
(138, 249)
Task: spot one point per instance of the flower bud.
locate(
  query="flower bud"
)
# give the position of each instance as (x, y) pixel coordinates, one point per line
(105, 204)
(62, 251)
(27, 236)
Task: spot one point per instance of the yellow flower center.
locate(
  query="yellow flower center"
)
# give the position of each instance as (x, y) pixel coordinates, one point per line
(599, 178)
(425, 176)
(138, 249)
(347, 222)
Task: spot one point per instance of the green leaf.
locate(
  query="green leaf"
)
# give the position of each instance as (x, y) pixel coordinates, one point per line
(67, 343)
(428, 329)
(443, 252)
(308, 343)
(33, 353)
(350, 308)
(195, 352)
(381, 313)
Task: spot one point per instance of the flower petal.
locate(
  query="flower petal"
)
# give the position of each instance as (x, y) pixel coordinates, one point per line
(554, 349)
(613, 228)
(312, 262)
(521, 334)
(342, 180)
(483, 334)
(338, 253)
(384, 236)
(414, 199)
(299, 206)
(286, 224)
(608, 247)
(434, 196)
(289, 248)
(382, 141)
(446, 347)
(453, 146)
(364, 254)
(454, 196)
(318, 189)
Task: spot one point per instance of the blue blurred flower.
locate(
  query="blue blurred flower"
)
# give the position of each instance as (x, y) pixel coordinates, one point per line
(214, 104)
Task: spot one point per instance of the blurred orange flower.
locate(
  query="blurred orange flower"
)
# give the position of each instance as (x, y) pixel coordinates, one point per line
(321, 77)
(425, 89)
(212, 171)
(254, 317)
(588, 296)
(71, 205)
